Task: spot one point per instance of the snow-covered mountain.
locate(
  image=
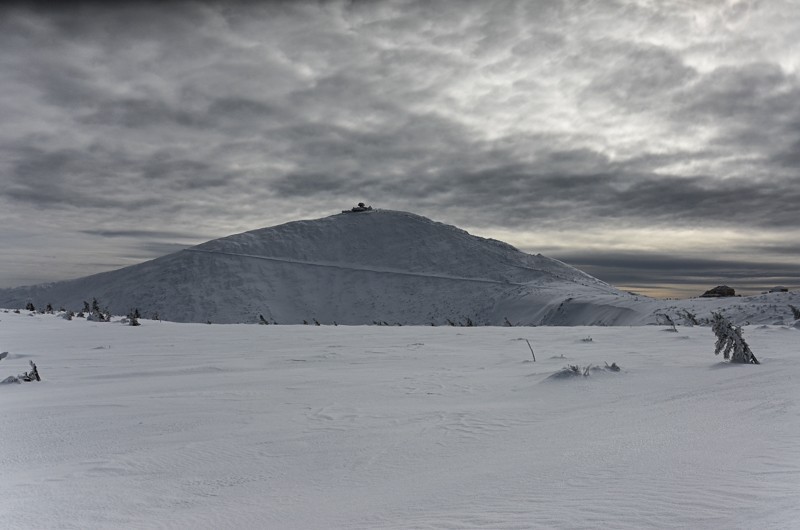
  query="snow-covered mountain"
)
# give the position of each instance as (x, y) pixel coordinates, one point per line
(355, 268)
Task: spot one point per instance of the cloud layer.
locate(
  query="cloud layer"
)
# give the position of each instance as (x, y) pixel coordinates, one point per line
(561, 125)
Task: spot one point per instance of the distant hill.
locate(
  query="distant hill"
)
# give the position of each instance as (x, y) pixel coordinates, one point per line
(355, 268)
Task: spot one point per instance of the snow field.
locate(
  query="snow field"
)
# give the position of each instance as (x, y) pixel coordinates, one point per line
(244, 426)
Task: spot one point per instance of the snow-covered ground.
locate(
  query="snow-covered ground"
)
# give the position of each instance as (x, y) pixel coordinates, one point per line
(243, 426)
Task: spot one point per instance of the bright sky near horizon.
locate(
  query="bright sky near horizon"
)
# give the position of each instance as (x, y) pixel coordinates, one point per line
(655, 145)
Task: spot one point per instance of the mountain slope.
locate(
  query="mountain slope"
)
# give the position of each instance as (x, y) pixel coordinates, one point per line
(349, 268)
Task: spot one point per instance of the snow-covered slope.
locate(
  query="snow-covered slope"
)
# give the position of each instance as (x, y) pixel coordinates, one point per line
(384, 266)
(378, 266)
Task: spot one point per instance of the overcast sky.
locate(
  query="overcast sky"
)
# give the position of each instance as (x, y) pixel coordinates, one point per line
(654, 144)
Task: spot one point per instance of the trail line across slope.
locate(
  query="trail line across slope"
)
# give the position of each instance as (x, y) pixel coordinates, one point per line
(350, 267)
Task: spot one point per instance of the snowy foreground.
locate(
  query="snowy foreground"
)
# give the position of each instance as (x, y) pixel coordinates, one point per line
(244, 426)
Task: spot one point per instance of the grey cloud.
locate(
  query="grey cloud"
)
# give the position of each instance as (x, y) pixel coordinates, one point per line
(297, 185)
(183, 174)
(678, 265)
(90, 178)
(152, 249)
(520, 115)
(753, 110)
(635, 77)
(593, 186)
(160, 234)
(137, 113)
(743, 91)
(788, 249)
(63, 177)
(235, 113)
(653, 271)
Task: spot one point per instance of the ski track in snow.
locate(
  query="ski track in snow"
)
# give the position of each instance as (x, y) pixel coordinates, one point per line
(244, 426)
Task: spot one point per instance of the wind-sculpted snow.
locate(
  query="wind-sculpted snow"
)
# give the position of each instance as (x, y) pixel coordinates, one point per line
(379, 266)
(171, 425)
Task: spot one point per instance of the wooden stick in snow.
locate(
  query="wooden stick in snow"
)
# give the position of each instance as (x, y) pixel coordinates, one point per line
(531, 347)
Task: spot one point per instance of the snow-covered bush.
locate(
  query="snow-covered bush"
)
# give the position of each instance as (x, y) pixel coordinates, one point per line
(133, 317)
(32, 375)
(573, 370)
(98, 317)
(730, 341)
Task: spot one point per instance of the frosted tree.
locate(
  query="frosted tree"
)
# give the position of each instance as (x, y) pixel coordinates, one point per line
(730, 341)
(666, 320)
(133, 317)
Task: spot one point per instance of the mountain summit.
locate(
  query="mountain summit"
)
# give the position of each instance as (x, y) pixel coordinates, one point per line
(356, 267)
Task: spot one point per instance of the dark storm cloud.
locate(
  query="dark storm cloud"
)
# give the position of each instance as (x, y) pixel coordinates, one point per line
(509, 115)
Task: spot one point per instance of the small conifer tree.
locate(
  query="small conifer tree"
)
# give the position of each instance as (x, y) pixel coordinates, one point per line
(730, 341)
(133, 317)
(690, 318)
(97, 314)
(666, 320)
